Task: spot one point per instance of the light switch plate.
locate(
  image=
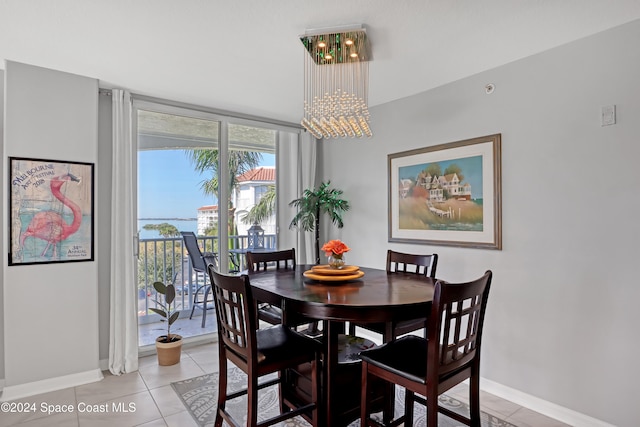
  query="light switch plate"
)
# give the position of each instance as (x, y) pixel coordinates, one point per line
(608, 115)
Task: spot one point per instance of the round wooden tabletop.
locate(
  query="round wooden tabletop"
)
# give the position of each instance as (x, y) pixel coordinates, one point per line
(375, 297)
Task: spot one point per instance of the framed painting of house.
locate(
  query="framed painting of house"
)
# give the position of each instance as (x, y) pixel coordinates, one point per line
(50, 211)
(447, 194)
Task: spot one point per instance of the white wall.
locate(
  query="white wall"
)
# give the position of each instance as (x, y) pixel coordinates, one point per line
(561, 318)
(50, 310)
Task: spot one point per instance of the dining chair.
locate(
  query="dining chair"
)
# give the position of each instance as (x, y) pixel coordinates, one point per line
(261, 261)
(279, 260)
(199, 265)
(258, 352)
(257, 261)
(449, 355)
(402, 263)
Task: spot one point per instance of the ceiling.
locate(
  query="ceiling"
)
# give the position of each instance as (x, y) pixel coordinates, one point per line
(245, 55)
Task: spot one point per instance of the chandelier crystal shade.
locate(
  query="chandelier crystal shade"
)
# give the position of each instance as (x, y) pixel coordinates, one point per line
(336, 84)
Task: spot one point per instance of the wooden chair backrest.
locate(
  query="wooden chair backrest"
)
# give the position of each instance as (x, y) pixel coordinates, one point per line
(285, 259)
(455, 325)
(424, 265)
(235, 314)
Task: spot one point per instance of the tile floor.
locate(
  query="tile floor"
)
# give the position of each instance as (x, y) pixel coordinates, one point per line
(146, 398)
(147, 333)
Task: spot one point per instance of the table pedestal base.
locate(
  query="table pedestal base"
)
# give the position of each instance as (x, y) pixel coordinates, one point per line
(297, 388)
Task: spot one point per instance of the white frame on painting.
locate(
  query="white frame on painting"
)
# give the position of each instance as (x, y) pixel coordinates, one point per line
(430, 204)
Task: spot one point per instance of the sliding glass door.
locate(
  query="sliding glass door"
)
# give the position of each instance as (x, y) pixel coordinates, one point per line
(206, 174)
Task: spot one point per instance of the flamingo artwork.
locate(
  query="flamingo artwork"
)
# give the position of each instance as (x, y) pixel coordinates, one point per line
(49, 225)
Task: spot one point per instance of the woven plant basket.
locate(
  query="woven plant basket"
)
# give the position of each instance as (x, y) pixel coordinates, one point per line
(169, 353)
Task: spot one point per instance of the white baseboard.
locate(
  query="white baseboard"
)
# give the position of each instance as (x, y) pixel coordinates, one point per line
(541, 406)
(525, 400)
(528, 401)
(150, 350)
(51, 384)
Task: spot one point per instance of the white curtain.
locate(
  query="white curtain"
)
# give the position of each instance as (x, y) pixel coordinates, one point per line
(123, 325)
(307, 174)
(296, 172)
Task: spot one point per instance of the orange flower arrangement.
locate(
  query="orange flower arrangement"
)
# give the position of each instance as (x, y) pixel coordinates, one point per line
(335, 248)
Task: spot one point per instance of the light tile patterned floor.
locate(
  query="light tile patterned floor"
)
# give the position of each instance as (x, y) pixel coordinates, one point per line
(147, 333)
(151, 402)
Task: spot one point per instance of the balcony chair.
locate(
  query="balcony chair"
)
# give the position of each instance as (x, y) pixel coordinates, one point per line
(199, 265)
(449, 355)
(259, 352)
(401, 263)
(284, 259)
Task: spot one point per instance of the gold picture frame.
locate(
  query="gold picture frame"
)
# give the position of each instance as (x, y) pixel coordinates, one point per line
(447, 194)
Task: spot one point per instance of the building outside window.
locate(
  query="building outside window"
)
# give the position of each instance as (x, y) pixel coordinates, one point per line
(253, 185)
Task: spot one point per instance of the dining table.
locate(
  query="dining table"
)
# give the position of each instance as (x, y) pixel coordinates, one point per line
(376, 296)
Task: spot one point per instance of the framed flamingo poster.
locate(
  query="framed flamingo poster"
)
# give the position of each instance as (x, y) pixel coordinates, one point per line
(51, 211)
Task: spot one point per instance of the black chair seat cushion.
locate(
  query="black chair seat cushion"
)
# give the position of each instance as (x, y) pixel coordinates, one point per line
(405, 357)
(281, 343)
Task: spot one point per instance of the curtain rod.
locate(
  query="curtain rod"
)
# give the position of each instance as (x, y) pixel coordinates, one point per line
(297, 126)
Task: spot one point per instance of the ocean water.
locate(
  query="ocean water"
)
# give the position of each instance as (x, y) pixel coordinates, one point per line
(180, 224)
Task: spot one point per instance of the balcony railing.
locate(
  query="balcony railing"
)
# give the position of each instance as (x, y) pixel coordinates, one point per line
(166, 260)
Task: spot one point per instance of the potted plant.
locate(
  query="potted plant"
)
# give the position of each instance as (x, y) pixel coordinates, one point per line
(168, 347)
(312, 203)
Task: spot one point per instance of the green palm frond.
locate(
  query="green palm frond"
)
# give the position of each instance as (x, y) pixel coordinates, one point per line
(263, 209)
(206, 161)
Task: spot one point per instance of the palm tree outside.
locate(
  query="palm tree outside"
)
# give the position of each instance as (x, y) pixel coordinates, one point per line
(206, 160)
(264, 209)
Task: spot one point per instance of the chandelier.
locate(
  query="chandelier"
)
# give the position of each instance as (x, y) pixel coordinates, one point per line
(336, 83)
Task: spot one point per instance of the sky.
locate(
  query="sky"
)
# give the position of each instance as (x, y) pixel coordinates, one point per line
(168, 186)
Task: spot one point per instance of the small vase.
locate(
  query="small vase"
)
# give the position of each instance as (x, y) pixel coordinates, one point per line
(336, 261)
